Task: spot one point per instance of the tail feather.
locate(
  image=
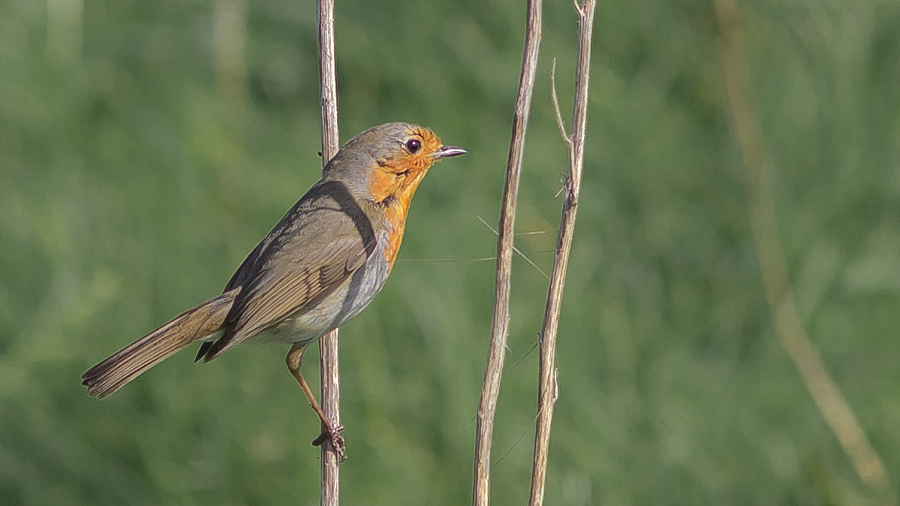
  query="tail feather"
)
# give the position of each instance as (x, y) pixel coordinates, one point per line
(129, 362)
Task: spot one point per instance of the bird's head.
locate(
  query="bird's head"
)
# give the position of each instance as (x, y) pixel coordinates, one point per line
(385, 164)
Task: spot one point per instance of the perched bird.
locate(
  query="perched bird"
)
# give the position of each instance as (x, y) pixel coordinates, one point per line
(320, 266)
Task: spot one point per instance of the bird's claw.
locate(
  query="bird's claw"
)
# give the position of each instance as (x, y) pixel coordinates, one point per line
(333, 436)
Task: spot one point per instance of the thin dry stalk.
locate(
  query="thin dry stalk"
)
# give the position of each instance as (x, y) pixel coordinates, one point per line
(548, 387)
(788, 326)
(500, 325)
(328, 345)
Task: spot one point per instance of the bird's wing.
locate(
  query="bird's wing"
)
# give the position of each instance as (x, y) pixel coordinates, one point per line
(315, 248)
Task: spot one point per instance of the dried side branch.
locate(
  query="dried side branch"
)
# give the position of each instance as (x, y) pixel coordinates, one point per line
(549, 387)
(328, 345)
(553, 95)
(773, 266)
(500, 325)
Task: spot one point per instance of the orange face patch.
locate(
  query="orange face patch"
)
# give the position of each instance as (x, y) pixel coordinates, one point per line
(398, 175)
(395, 179)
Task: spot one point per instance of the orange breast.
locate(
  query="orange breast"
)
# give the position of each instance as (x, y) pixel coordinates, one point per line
(395, 217)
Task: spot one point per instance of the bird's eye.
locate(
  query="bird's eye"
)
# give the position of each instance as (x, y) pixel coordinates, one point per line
(413, 145)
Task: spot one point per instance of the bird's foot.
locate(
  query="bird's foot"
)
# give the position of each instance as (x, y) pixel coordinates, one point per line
(333, 436)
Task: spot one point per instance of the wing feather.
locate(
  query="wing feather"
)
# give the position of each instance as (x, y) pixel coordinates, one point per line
(315, 248)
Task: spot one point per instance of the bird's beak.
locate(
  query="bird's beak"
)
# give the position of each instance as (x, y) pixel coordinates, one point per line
(448, 151)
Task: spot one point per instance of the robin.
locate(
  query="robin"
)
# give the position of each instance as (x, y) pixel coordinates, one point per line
(319, 267)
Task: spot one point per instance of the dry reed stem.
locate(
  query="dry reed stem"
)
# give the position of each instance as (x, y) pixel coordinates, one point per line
(548, 387)
(328, 345)
(500, 325)
(773, 266)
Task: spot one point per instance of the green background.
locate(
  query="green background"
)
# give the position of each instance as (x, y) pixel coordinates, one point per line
(146, 147)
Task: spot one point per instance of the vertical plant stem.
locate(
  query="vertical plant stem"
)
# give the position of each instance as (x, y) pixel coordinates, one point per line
(548, 388)
(500, 325)
(773, 266)
(328, 345)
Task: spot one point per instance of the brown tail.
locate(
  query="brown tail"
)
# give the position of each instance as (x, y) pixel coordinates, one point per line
(188, 327)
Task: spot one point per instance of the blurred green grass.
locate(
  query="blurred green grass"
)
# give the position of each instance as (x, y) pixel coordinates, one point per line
(136, 173)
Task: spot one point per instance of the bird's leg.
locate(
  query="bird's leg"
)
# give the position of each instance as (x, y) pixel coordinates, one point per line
(329, 433)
